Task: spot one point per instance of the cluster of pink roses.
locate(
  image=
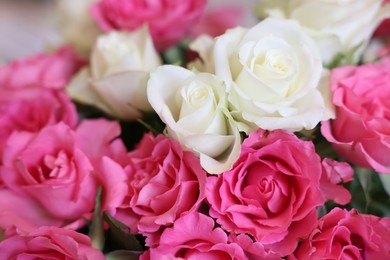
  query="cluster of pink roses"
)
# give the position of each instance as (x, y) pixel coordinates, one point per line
(60, 171)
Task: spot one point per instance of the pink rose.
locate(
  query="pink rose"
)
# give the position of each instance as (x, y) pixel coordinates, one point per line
(49, 243)
(168, 21)
(360, 133)
(334, 174)
(50, 174)
(164, 182)
(253, 250)
(343, 234)
(272, 191)
(53, 70)
(216, 21)
(31, 109)
(99, 140)
(193, 236)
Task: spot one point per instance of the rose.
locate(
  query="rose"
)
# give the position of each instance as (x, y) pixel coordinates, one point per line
(31, 109)
(334, 174)
(50, 173)
(99, 140)
(169, 21)
(271, 193)
(252, 249)
(343, 234)
(194, 108)
(75, 19)
(164, 183)
(337, 26)
(360, 131)
(272, 72)
(53, 70)
(49, 243)
(194, 236)
(119, 70)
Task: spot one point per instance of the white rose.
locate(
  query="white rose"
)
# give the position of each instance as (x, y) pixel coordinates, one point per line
(77, 25)
(194, 109)
(273, 72)
(119, 70)
(338, 26)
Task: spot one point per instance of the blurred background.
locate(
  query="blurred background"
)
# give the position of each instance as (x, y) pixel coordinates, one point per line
(27, 27)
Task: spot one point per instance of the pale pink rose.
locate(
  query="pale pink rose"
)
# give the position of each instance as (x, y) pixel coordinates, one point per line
(31, 109)
(168, 21)
(49, 243)
(334, 174)
(361, 130)
(164, 182)
(272, 191)
(49, 70)
(343, 234)
(49, 170)
(193, 236)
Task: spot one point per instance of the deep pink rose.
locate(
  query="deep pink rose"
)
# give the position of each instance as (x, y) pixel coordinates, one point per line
(253, 250)
(49, 243)
(361, 131)
(334, 174)
(193, 236)
(165, 183)
(272, 191)
(49, 70)
(31, 109)
(343, 234)
(169, 21)
(48, 172)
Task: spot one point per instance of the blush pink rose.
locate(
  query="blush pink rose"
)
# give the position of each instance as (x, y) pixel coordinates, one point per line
(193, 236)
(31, 109)
(168, 21)
(49, 243)
(334, 174)
(361, 130)
(49, 70)
(343, 234)
(272, 191)
(164, 182)
(50, 173)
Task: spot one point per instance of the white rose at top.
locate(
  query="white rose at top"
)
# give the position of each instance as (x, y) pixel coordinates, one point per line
(273, 73)
(116, 80)
(338, 26)
(76, 24)
(194, 109)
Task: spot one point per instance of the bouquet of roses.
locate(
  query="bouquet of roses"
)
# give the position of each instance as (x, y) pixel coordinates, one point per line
(163, 130)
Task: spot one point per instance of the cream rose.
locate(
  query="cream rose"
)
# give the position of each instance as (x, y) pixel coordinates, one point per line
(272, 71)
(194, 109)
(76, 24)
(338, 26)
(119, 69)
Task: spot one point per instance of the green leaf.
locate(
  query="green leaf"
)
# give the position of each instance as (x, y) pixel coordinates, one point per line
(123, 255)
(364, 177)
(120, 235)
(385, 179)
(96, 232)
